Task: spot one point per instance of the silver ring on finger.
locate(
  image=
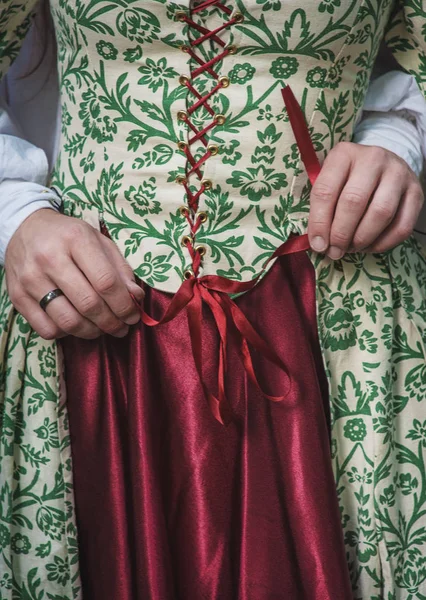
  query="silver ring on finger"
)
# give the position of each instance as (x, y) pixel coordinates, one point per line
(47, 299)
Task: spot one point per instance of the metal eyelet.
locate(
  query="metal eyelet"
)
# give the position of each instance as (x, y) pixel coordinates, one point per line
(203, 217)
(202, 250)
(186, 240)
(213, 149)
(180, 15)
(232, 49)
(182, 115)
(207, 184)
(183, 79)
(188, 274)
(181, 179)
(220, 119)
(182, 146)
(184, 48)
(224, 81)
(184, 211)
(238, 17)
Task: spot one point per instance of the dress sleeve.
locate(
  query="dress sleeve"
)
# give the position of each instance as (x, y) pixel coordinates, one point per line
(406, 38)
(15, 21)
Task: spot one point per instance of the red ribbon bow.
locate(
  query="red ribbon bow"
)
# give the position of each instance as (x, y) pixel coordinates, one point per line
(214, 292)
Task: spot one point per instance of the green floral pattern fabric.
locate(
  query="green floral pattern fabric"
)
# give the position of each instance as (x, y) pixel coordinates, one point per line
(120, 62)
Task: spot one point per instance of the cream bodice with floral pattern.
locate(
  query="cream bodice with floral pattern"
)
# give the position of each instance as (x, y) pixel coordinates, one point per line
(131, 75)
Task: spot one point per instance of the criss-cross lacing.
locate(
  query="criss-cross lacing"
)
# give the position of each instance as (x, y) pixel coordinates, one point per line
(202, 102)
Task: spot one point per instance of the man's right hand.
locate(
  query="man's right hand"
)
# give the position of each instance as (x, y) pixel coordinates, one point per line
(49, 251)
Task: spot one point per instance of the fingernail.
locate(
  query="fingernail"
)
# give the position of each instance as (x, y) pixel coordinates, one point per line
(133, 319)
(335, 253)
(122, 333)
(318, 244)
(136, 290)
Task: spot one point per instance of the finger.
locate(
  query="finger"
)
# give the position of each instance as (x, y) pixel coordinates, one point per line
(90, 257)
(351, 206)
(324, 195)
(381, 211)
(403, 224)
(87, 301)
(124, 269)
(39, 321)
(61, 311)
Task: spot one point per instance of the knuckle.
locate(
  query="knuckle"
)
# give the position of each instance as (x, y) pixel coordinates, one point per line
(354, 199)
(377, 154)
(340, 238)
(89, 304)
(48, 332)
(69, 322)
(404, 231)
(383, 212)
(113, 327)
(27, 277)
(340, 147)
(75, 231)
(322, 192)
(46, 255)
(107, 282)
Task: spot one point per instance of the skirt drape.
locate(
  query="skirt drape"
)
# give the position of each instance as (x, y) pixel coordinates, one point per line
(171, 505)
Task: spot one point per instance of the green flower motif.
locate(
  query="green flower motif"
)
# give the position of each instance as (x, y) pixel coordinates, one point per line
(44, 550)
(355, 430)
(230, 155)
(99, 128)
(270, 4)
(88, 163)
(368, 342)
(4, 536)
(337, 322)
(284, 67)
(20, 544)
(328, 5)
(142, 200)
(267, 114)
(407, 483)
(131, 55)
(360, 87)
(58, 570)
(66, 117)
(49, 433)
(51, 521)
(258, 183)
(334, 76)
(355, 477)
(410, 573)
(6, 582)
(418, 432)
(242, 73)
(137, 24)
(364, 541)
(154, 269)
(47, 361)
(415, 382)
(107, 50)
(388, 496)
(316, 77)
(155, 74)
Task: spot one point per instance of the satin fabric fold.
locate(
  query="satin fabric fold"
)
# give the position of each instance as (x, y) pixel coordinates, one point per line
(173, 506)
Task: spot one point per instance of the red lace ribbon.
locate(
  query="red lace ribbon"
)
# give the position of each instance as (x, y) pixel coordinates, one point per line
(214, 292)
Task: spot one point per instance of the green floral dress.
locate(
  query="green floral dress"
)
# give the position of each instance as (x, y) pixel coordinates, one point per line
(128, 121)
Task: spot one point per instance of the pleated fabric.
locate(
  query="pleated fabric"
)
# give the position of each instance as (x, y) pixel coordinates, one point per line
(171, 505)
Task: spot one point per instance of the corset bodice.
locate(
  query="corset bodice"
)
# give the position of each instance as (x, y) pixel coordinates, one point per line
(175, 132)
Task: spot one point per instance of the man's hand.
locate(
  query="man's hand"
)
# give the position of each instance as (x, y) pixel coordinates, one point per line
(365, 199)
(50, 251)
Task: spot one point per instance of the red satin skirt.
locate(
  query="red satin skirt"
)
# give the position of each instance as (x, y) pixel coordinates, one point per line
(171, 505)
